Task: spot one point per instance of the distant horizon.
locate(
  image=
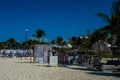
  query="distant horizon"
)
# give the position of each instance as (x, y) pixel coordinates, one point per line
(56, 17)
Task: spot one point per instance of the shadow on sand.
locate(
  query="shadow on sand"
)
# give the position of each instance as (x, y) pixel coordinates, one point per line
(75, 67)
(24, 62)
(93, 72)
(100, 73)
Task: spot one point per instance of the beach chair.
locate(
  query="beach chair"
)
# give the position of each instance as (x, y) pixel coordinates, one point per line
(116, 70)
(111, 65)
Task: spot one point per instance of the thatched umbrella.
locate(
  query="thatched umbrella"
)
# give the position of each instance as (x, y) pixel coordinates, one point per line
(101, 48)
(71, 50)
(76, 50)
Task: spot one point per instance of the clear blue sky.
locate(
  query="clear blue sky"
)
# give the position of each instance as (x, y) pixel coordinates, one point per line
(64, 18)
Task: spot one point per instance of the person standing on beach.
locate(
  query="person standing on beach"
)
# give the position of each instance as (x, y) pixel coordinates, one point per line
(1, 52)
(66, 58)
(49, 54)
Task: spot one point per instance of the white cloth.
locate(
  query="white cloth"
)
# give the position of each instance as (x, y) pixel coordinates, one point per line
(7, 51)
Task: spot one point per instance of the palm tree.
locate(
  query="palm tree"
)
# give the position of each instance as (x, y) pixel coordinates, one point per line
(1, 45)
(40, 33)
(59, 40)
(11, 43)
(53, 42)
(113, 27)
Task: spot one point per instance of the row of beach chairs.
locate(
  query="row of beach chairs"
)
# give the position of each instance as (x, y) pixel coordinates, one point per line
(110, 65)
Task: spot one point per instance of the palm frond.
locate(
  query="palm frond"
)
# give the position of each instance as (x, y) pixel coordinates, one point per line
(104, 17)
(116, 7)
(105, 28)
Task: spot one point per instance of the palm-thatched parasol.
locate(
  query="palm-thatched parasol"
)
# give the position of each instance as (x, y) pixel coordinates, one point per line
(101, 48)
(72, 50)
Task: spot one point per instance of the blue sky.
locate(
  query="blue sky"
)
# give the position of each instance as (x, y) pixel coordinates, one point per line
(66, 18)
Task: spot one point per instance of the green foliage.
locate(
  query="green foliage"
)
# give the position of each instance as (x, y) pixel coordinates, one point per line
(85, 44)
(53, 42)
(59, 40)
(40, 33)
(1, 45)
(113, 27)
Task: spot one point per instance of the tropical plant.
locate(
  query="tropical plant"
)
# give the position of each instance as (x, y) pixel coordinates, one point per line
(113, 27)
(1, 45)
(11, 43)
(53, 42)
(40, 33)
(59, 41)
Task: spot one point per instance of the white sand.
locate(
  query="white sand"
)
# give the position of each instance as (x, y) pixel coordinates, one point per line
(17, 69)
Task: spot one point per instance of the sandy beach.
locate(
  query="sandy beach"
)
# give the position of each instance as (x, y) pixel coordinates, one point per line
(17, 69)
